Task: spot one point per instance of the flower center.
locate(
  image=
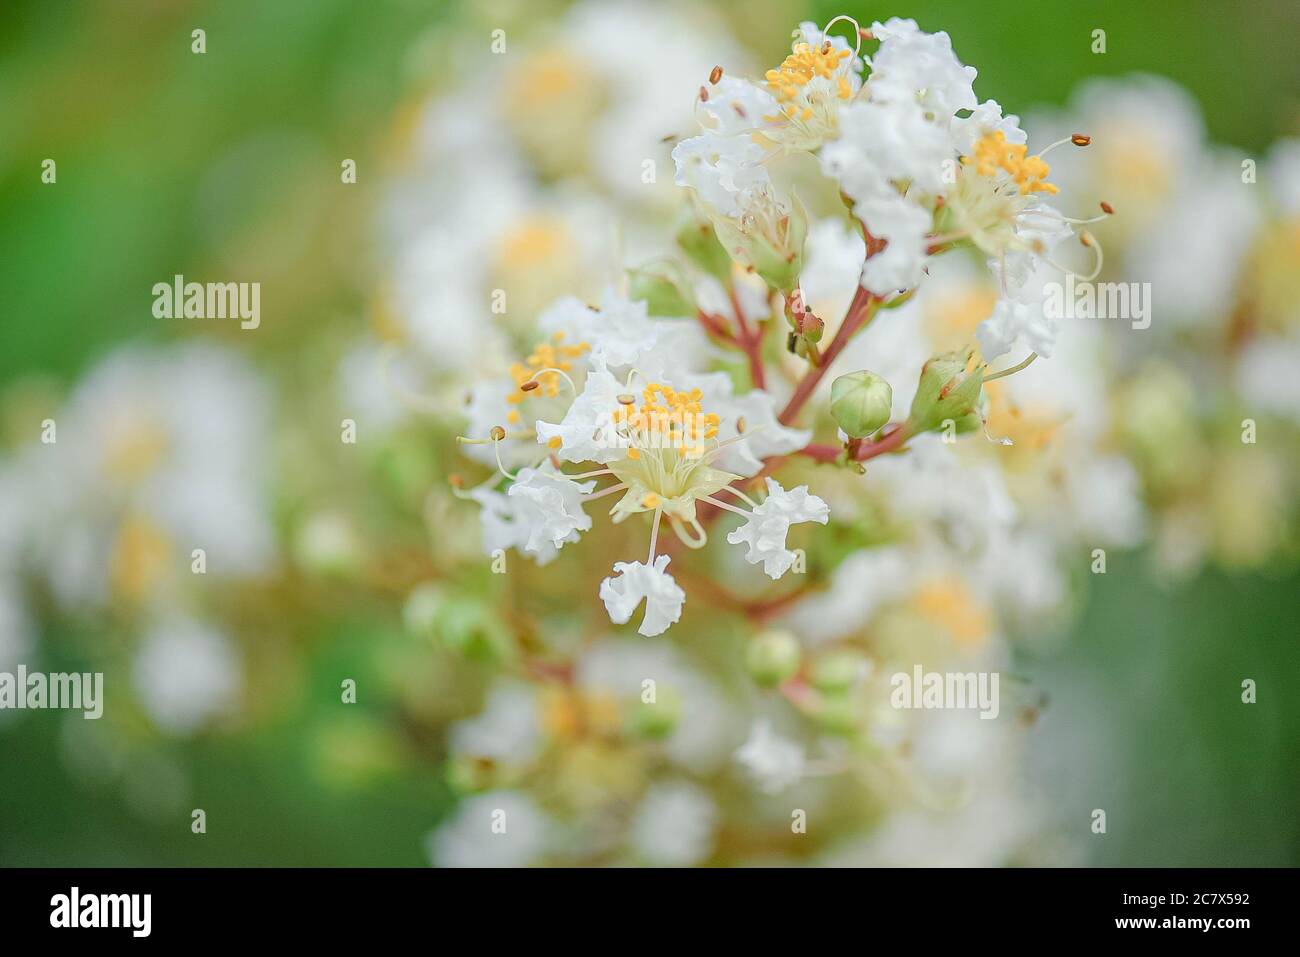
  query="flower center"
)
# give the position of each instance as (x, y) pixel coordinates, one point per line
(790, 82)
(992, 153)
(537, 377)
(667, 419)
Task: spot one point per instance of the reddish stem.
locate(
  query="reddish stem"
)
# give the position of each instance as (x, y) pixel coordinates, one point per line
(891, 439)
(858, 311)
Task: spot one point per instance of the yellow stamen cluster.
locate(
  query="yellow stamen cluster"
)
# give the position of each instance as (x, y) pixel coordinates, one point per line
(799, 68)
(993, 153)
(667, 419)
(545, 355)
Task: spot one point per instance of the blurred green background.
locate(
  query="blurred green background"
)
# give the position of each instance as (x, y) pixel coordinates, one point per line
(174, 163)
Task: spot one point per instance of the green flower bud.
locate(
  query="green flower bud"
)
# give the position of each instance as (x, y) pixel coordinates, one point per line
(838, 714)
(837, 671)
(861, 403)
(699, 241)
(664, 289)
(946, 391)
(770, 239)
(772, 657)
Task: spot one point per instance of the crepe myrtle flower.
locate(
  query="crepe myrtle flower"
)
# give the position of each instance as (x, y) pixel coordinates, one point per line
(661, 449)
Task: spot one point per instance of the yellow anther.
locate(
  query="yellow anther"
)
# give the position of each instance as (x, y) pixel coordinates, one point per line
(992, 153)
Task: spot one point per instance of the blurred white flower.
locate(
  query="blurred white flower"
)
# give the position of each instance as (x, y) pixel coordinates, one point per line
(506, 730)
(496, 829)
(775, 762)
(186, 673)
(674, 825)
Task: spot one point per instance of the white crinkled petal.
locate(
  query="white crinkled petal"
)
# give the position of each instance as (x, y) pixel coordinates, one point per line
(736, 105)
(635, 581)
(985, 119)
(586, 431)
(721, 169)
(766, 530)
(1013, 322)
(550, 508)
(914, 62)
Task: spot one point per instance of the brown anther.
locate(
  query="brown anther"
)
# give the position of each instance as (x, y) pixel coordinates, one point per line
(1085, 238)
(1107, 208)
(740, 110)
(1080, 139)
(529, 386)
(626, 399)
(704, 94)
(865, 33)
(497, 433)
(740, 425)
(826, 46)
(715, 75)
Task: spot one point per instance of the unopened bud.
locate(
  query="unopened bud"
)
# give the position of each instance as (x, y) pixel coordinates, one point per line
(838, 671)
(773, 657)
(861, 402)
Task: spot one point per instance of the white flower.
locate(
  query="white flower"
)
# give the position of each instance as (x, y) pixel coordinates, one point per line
(724, 171)
(1012, 322)
(674, 825)
(496, 829)
(1267, 375)
(985, 119)
(736, 106)
(186, 673)
(901, 263)
(506, 730)
(585, 434)
(620, 332)
(776, 762)
(537, 515)
(810, 88)
(765, 531)
(913, 63)
(765, 436)
(885, 142)
(551, 507)
(635, 581)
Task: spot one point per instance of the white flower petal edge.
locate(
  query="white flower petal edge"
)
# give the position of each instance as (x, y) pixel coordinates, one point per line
(1011, 322)
(770, 522)
(633, 581)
